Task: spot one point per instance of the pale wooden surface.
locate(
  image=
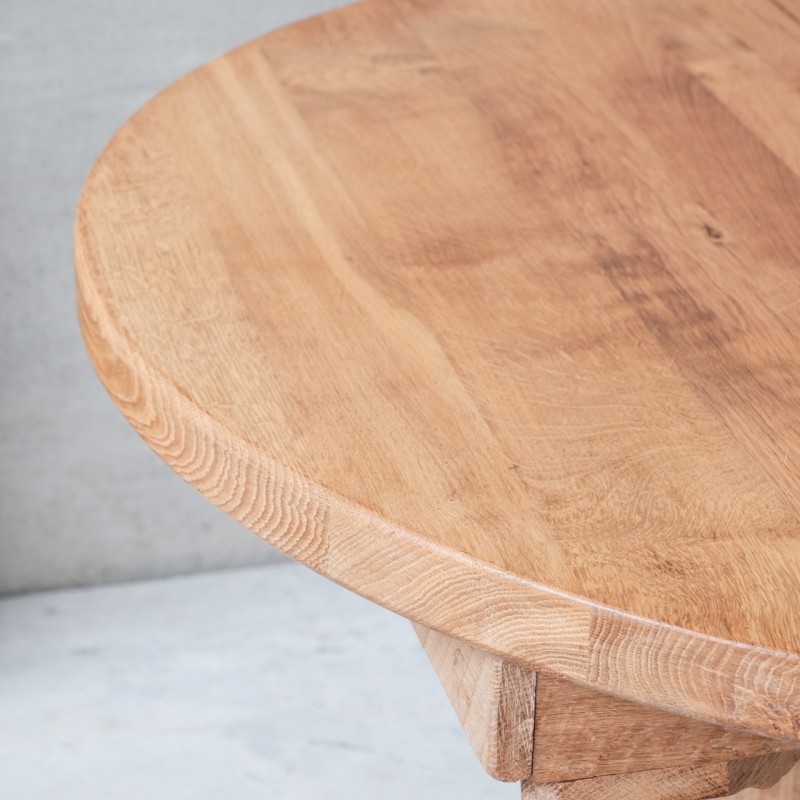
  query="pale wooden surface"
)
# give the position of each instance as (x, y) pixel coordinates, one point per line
(675, 783)
(566, 740)
(787, 788)
(488, 309)
(494, 700)
(581, 733)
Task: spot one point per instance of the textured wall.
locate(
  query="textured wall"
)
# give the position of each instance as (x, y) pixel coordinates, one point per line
(82, 499)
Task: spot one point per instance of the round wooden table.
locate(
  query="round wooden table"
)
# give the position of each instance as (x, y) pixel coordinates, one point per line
(489, 310)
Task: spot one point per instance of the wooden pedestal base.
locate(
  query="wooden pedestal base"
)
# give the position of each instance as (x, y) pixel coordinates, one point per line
(720, 779)
(569, 742)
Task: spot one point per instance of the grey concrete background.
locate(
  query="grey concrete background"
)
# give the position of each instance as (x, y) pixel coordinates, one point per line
(82, 499)
(248, 684)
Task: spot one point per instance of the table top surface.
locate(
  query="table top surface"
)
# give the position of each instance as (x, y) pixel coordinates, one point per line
(488, 310)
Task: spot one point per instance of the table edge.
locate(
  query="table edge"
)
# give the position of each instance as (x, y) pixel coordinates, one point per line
(605, 648)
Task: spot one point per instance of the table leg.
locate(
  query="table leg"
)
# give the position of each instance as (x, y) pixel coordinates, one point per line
(787, 788)
(569, 742)
(719, 779)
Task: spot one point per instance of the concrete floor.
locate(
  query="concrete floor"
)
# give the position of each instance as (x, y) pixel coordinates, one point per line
(257, 683)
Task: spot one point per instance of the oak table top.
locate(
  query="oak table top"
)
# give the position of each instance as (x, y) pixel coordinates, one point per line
(489, 311)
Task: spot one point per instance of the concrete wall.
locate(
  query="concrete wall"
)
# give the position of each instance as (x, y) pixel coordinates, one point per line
(82, 499)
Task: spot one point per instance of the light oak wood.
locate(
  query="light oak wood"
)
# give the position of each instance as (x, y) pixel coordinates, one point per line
(676, 783)
(580, 733)
(494, 700)
(488, 310)
(553, 732)
(787, 788)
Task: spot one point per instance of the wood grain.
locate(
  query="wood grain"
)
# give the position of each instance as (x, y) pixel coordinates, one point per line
(787, 788)
(580, 733)
(488, 311)
(676, 783)
(550, 730)
(494, 700)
